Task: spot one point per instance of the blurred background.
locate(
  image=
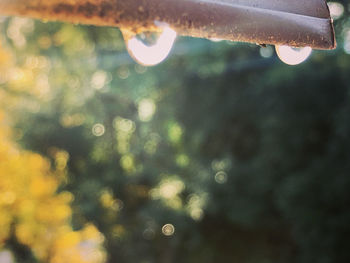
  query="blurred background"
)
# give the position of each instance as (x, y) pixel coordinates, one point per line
(220, 153)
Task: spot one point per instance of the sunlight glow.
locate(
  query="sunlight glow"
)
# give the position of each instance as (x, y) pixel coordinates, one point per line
(293, 56)
(152, 55)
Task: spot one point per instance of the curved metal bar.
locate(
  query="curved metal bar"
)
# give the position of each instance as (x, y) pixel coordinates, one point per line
(277, 22)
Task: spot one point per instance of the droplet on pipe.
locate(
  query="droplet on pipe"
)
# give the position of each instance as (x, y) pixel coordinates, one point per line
(293, 56)
(151, 55)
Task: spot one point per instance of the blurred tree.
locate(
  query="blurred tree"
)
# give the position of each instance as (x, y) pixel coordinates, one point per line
(34, 214)
(34, 218)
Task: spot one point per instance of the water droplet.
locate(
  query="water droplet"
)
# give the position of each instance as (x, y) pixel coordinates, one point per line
(216, 39)
(151, 55)
(266, 52)
(293, 56)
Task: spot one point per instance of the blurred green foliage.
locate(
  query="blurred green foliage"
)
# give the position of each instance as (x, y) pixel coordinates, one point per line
(247, 158)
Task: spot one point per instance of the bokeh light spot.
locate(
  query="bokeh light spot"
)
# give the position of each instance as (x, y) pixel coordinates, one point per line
(146, 109)
(168, 230)
(336, 9)
(123, 72)
(98, 129)
(124, 125)
(99, 79)
(175, 132)
(347, 42)
(197, 214)
(221, 177)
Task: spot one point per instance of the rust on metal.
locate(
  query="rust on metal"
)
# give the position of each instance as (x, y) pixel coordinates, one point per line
(277, 22)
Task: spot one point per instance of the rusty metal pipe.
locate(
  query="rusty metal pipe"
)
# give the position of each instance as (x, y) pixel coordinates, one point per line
(294, 23)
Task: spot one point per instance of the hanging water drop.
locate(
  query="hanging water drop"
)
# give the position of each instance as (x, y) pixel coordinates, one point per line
(150, 55)
(293, 56)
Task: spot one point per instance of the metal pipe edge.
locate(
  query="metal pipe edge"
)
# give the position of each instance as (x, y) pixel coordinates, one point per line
(272, 22)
